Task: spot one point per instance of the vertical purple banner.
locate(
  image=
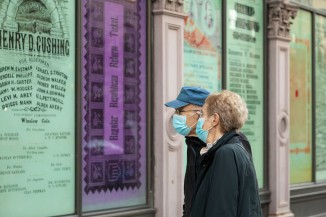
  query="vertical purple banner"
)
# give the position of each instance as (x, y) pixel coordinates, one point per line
(113, 79)
(114, 104)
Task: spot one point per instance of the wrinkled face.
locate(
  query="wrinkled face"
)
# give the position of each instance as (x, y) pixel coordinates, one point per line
(192, 112)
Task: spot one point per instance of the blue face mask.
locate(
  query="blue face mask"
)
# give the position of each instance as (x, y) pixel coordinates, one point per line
(201, 133)
(180, 124)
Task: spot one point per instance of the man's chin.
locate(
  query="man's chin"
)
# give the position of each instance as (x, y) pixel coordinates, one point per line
(192, 135)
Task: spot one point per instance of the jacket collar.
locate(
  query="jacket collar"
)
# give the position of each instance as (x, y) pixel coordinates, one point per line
(192, 140)
(226, 138)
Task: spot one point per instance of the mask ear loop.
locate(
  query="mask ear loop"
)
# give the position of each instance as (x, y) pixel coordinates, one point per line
(209, 145)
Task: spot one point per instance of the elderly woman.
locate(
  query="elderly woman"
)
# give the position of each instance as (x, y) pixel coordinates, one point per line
(227, 183)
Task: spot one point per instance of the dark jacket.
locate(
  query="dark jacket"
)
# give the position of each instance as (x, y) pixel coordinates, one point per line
(226, 185)
(194, 145)
(245, 142)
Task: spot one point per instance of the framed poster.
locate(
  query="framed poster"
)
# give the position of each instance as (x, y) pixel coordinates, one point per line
(114, 104)
(245, 70)
(37, 107)
(202, 44)
(300, 100)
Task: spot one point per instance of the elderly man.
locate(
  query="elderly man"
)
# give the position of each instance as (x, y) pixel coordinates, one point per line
(188, 107)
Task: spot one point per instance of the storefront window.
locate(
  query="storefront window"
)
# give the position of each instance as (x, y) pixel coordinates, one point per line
(114, 104)
(202, 44)
(300, 99)
(305, 2)
(315, 4)
(245, 69)
(37, 113)
(320, 78)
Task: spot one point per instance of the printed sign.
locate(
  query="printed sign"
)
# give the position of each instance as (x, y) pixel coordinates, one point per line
(202, 44)
(245, 60)
(37, 107)
(114, 104)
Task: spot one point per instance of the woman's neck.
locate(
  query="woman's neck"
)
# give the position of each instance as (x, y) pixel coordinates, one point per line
(216, 135)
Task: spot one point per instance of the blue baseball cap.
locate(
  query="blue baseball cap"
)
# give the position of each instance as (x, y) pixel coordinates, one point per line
(189, 95)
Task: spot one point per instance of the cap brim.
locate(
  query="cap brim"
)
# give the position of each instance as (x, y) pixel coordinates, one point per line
(176, 104)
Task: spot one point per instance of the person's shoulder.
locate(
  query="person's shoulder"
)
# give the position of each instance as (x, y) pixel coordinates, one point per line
(226, 154)
(234, 148)
(245, 142)
(242, 136)
(226, 149)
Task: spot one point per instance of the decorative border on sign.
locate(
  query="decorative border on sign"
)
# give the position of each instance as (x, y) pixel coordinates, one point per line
(105, 171)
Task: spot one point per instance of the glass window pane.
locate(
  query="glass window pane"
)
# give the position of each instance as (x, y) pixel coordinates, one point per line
(305, 2)
(320, 49)
(114, 103)
(300, 99)
(315, 4)
(245, 59)
(37, 113)
(202, 44)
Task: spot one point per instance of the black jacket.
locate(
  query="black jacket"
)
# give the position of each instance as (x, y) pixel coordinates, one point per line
(245, 142)
(194, 145)
(226, 185)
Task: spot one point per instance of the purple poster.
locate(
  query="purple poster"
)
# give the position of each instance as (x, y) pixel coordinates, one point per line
(114, 104)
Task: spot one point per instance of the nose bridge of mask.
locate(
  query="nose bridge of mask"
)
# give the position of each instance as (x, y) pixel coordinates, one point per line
(179, 118)
(184, 117)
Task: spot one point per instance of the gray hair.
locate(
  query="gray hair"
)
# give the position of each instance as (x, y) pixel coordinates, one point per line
(231, 108)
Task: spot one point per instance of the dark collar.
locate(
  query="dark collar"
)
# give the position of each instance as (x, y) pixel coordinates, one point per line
(229, 137)
(191, 140)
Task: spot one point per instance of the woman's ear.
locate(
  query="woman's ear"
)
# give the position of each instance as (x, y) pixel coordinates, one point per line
(216, 119)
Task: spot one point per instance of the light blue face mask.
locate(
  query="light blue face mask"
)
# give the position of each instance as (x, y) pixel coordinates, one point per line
(201, 133)
(180, 124)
